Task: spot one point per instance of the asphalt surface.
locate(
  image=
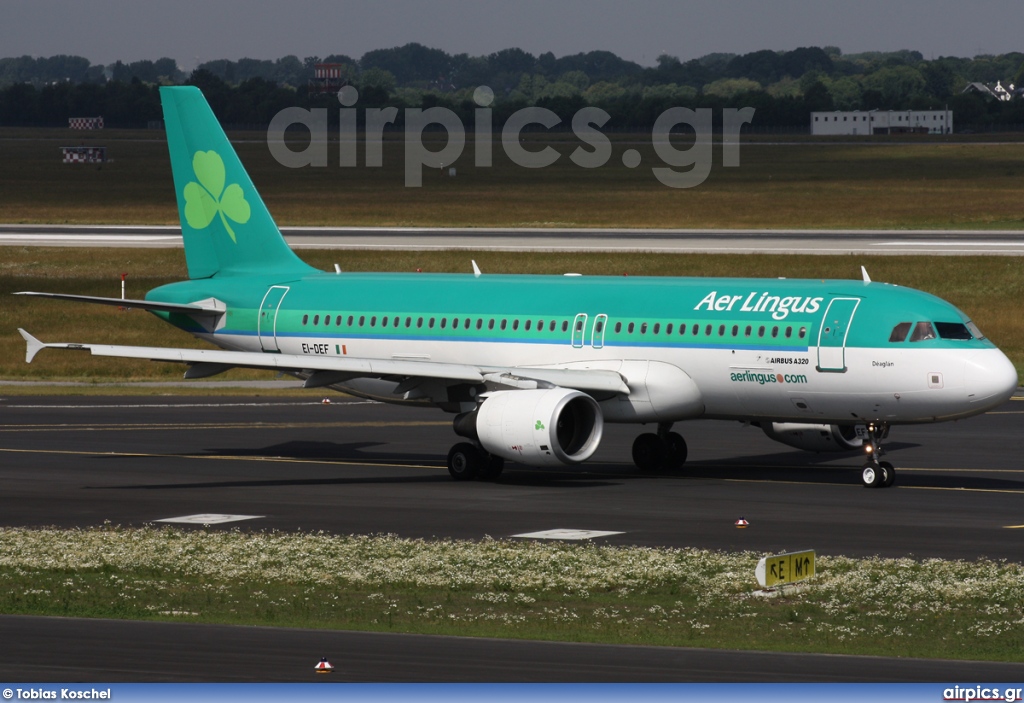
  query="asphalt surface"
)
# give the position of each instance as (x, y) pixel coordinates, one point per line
(942, 243)
(356, 467)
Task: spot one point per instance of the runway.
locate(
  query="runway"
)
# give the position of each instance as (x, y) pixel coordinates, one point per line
(358, 467)
(861, 242)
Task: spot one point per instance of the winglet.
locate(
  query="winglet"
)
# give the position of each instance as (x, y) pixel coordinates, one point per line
(476, 269)
(34, 346)
(864, 275)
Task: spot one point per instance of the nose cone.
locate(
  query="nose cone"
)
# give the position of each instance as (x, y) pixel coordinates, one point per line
(990, 379)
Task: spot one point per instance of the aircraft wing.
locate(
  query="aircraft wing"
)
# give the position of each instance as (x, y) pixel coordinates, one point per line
(325, 370)
(187, 308)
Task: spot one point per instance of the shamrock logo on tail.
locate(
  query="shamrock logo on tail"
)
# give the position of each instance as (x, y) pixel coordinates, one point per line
(209, 197)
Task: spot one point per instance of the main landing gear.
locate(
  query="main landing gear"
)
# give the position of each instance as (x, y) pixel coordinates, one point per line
(467, 461)
(663, 451)
(877, 474)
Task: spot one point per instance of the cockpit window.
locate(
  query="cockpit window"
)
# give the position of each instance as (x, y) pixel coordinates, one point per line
(922, 331)
(974, 330)
(899, 332)
(953, 330)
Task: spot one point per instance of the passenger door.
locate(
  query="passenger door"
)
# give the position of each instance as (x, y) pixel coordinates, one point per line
(832, 334)
(267, 321)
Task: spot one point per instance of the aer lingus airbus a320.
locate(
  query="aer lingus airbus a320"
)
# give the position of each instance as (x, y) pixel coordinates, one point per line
(533, 366)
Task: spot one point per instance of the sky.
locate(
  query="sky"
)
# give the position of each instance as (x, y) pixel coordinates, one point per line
(193, 31)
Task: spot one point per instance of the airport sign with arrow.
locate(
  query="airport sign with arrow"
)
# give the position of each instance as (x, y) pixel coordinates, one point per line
(783, 569)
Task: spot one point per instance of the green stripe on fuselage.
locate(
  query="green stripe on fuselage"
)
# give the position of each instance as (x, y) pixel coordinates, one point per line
(785, 304)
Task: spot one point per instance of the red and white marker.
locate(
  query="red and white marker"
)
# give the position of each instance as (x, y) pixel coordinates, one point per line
(742, 522)
(324, 667)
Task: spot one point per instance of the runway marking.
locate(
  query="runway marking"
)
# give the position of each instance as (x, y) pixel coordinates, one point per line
(964, 490)
(222, 457)
(137, 406)
(211, 426)
(209, 518)
(568, 534)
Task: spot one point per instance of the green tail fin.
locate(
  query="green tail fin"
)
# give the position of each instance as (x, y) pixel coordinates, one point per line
(224, 223)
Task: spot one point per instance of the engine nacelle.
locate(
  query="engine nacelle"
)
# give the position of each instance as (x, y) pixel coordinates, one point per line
(815, 438)
(538, 427)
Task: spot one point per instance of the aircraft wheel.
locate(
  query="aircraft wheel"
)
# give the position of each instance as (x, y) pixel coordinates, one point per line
(890, 473)
(675, 455)
(491, 468)
(649, 452)
(872, 475)
(464, 461)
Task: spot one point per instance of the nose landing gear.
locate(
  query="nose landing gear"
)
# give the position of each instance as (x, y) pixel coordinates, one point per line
(877, 474)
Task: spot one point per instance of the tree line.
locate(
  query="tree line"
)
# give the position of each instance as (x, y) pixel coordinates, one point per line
(784, 86)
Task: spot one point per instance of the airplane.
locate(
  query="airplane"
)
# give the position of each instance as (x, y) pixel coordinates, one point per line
(532, 366)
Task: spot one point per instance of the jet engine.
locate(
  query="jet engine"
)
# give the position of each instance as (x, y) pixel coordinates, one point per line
(543, 427)
(816, 438)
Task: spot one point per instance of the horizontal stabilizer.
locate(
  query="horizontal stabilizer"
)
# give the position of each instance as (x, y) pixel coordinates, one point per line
(186, 308)
(34, 346)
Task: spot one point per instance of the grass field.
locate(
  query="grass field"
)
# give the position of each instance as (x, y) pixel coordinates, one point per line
(509, 588)
(989, 289)
(803, 184)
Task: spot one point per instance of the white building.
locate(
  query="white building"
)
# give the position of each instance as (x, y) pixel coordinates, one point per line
(882, 122)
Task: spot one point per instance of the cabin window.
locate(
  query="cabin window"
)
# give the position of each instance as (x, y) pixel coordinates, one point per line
(775, 331)
(746, 332)
(373, 321)
(468, 321)
(316, 319)
(444, 322)
(696, 329)
(721, 330)
(668, 328)
(657, 327)
(631, 327)
(789, 332)
(430, 324)
(579, 325)
(408, 322)
(515, 325)
(735, 330)
(760, 331)
(419, 322)
(327, 320)
(899, 332)
(618, 327)
(540, 325)
(682, 328)
(803, 332)
(479, 323)
(953, 330)
(504, 323)
(305, 319)
(599, 327)
(455, 323)
(707, 331)
(551, 326)
(565, 325)
(527, 325)
(922, 331)
(350, 320)
(490, 324)
(337, 321)
(643, 328)
(362, 320)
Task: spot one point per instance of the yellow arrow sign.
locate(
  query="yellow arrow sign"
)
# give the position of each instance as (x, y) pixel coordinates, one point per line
(785, 568)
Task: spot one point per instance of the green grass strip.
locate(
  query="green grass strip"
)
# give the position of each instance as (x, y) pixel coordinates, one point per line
(519, 589)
